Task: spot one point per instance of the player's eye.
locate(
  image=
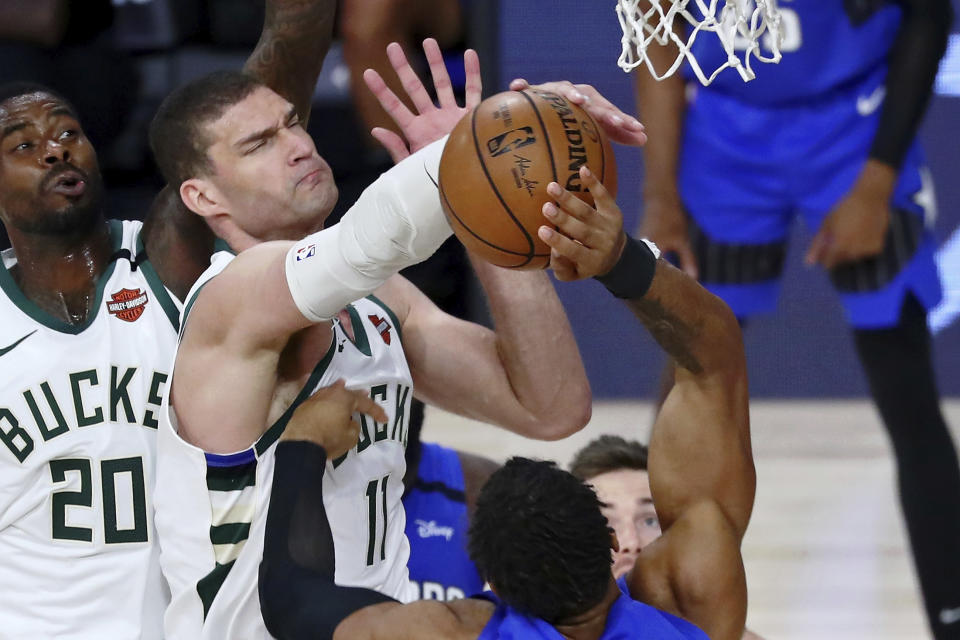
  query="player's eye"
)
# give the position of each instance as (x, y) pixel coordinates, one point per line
(256, 146)
(23, 146)
(651, 521)
(293, 122)
(69, 133)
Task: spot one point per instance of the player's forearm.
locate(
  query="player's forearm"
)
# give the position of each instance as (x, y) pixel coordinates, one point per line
(696, 329)
(914, 60)
(538, 352)
(661, 105)
(295, 39)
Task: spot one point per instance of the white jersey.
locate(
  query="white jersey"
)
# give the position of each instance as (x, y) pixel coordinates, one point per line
(212, 509)
(79, 409)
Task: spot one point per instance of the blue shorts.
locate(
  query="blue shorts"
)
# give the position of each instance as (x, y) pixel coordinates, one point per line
(747, 171)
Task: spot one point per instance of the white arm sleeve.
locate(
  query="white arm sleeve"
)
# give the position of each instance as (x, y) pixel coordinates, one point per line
(396, 222)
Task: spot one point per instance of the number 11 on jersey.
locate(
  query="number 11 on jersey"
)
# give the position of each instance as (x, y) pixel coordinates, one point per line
(374, 488)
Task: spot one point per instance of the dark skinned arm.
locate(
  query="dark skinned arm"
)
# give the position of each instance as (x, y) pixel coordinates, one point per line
(857, 226)
(41, 22)
(295, 39)
(701, 466)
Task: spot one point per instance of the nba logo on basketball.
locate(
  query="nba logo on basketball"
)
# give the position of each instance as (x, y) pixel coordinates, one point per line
(306, 252)
(128, 304)
(507, 142)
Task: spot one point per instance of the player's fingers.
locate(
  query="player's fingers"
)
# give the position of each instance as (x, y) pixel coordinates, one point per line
(563, 269)
(438, 71)
(603, 200)
(519, 84)
(570, 203)
(387, 98)
(409, 78)
(688, 261)
(817, 248)
(564, 247)
(568, 225)
(393, 143)
(473, 86)
(363, 403)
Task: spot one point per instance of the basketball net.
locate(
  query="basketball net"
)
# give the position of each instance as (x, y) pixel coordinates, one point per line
(738, 24)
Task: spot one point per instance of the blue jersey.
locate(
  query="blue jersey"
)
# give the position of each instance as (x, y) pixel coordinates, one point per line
(628, 619)
(436, 508)
(822, 52)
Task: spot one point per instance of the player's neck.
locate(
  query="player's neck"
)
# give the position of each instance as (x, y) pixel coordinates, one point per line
(59, 273)
(591, 624)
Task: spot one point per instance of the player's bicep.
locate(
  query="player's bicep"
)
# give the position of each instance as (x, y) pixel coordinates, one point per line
(248, 306)
(700, 450)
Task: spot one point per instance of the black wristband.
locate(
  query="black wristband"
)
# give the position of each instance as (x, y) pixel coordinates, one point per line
(632, 275)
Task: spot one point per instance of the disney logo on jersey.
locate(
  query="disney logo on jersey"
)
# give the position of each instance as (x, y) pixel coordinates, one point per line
(430, 529)
(306, 252)
(382, 326)
(507, 142)
(128, 304)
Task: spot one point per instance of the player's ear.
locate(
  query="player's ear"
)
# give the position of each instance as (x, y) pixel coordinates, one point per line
(201, 197)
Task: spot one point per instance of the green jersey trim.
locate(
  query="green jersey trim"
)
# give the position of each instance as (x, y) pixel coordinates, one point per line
(209, 585)
(276, 429)
(30, 308)
(393, 316)
(359, 332)
(156, 284)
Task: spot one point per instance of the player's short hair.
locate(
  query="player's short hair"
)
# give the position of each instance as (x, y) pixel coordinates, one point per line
(11, 90)
(178, 132)
(539, 538)
(608, 453)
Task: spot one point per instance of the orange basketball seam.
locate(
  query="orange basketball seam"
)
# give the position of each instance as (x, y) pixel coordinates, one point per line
(483, 165)
(528, 256)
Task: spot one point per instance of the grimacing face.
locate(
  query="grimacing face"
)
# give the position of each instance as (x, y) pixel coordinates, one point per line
(49, 178)
(267, 173)
(629, 511)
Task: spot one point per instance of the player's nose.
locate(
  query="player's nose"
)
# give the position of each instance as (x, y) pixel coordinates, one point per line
(301, 145)
(55, 152)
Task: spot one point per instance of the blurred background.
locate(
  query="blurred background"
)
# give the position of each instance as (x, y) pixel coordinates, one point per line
(117, 59)
(825, 553)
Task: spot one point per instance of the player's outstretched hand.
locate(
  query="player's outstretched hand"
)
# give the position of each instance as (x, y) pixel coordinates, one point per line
(588, 241)
(618, 126)
(326, 418)
(430, 122)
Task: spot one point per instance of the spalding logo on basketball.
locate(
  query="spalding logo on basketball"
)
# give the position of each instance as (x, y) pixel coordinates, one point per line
(498, 162)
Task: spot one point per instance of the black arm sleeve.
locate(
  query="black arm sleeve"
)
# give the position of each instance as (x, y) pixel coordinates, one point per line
(914, 59)
(298, 597)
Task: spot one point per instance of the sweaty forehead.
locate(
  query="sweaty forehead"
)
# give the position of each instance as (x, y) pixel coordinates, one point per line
(260, 110)
(30, 106)
(627, 487)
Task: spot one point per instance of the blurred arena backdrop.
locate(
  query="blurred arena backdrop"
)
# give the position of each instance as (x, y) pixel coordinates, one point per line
(803, 350)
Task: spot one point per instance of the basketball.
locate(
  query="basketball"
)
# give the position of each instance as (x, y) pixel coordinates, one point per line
(497, 164)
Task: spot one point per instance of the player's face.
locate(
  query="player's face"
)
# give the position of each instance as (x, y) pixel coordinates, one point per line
(49, 179)
(267, 170)
(629, 511)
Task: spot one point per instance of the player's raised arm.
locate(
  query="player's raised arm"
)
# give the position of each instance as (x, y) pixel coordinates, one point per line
(295, 39)
(701, 467)
(293, 44)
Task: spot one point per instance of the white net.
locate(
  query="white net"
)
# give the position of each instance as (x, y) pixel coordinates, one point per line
(738, 24)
